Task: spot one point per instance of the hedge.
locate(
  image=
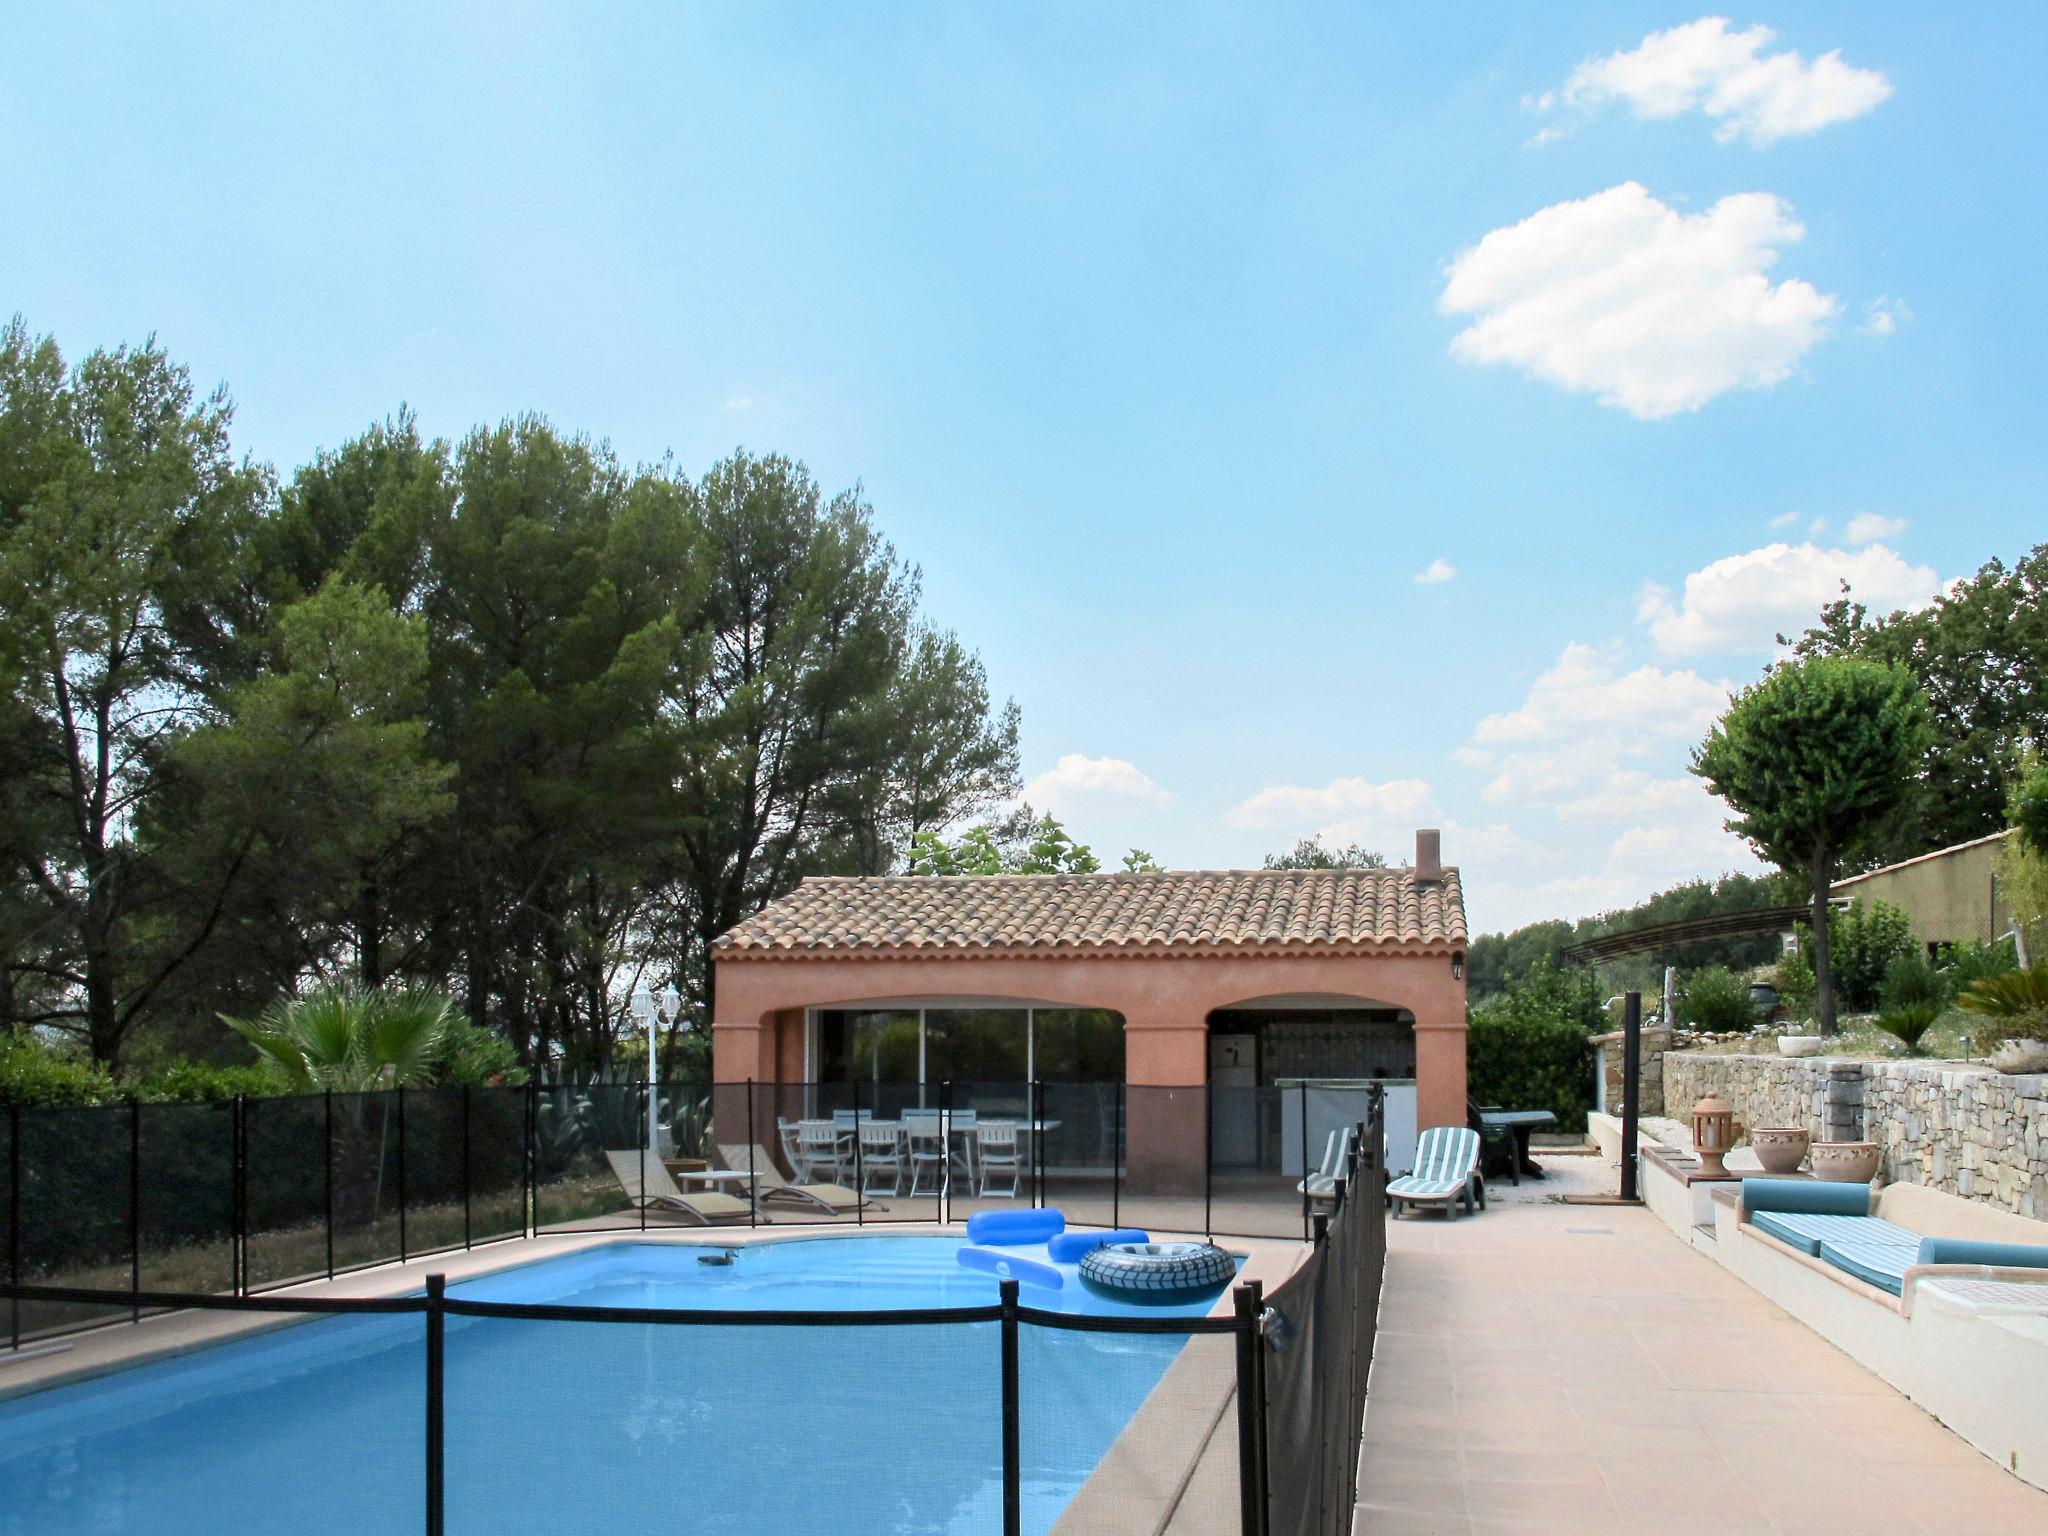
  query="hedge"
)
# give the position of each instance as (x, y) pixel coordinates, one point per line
(1522, 1063)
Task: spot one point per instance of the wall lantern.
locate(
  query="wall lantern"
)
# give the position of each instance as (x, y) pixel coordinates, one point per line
(1713, 1134)
(1457, 967)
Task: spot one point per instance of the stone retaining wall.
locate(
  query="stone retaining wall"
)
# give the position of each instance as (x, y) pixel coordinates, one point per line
(1965, 1130)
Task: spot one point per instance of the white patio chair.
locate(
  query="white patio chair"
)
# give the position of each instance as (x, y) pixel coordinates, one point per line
(924, 1139)
(818, 1152)
(785, 1130)
(880, 1153)
(998, 1152)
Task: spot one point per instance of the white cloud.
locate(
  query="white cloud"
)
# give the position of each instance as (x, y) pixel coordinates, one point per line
(1704, 66)
(1437, 570)
(1624, 297)
(1288, 807)
(1586, 692)
(1786, 519)
(1883, 317)
(1077, 777)
(1870, 527)
(1742, 603)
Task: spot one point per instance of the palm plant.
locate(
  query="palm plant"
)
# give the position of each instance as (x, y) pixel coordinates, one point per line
(2015, 995)
(351, 1039)
(1908, 1022)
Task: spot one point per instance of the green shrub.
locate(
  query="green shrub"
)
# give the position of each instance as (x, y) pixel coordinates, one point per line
(1964, 965)
(1522, 1062)
(1717, 1000)
(1910, 982)
(1862, 942)
(2015, 1004)
(32, 1073)
(200, 1082)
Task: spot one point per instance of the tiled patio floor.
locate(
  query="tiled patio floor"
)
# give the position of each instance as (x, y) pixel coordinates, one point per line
(1577, 1370)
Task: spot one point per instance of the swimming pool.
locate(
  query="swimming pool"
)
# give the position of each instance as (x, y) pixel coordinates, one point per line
(552, 1427)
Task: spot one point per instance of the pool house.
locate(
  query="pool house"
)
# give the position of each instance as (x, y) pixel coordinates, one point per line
(1190, 1024)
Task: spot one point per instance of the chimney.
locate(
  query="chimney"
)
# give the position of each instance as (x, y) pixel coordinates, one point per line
(1429, 854)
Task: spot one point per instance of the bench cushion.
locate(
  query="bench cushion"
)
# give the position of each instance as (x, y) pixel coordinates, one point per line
(1806, 1197)
(1807, 1233)
(1883, 1265)
(1958, 1250)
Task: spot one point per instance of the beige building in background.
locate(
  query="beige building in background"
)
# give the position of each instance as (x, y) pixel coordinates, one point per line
(1952, 895)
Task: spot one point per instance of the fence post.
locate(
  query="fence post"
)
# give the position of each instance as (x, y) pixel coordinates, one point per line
(645, 1118)
(401, 1173)
(1116, 1162)
(14, 1222)
(327, 1171)
(238, 1178)
(465, 1166)
(1262, 1448)
(530, 1223)
(134, 1206)
(1013, 1452)
(1251, 1415)
(1631, 1089)
(1307, 1205)
(753, 1174)
(437, 1287)
(1209, 1161)
(1320, 1224)
(945, 1148)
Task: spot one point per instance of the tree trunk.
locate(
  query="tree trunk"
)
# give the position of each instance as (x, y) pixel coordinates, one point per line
(1822, 874)
(370, 937)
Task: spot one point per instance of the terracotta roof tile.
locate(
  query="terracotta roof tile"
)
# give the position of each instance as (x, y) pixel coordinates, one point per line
(1176, 910)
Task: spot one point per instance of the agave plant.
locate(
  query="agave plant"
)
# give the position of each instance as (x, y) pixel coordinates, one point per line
(351, 1039)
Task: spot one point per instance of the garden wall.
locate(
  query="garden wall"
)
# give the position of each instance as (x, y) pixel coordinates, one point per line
(1967, 1131)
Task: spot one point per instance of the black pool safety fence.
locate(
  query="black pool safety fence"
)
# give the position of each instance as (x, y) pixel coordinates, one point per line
(1276, 1389)
(247, 1195)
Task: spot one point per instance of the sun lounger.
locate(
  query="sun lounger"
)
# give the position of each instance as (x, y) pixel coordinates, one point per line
(770, 1185)
(1322, 1184)
(647, 1184)
(1446, 1167)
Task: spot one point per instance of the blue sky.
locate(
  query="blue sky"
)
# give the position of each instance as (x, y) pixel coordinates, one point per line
(1165, 341)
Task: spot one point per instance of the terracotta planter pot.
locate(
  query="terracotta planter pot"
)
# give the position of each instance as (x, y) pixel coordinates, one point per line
(1846, 1162)
(1780, 1148)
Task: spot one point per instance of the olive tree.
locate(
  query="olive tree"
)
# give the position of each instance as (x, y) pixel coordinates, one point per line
(1814, 759)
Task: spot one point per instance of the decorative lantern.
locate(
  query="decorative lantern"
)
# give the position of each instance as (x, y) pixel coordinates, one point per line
(1713, 1133)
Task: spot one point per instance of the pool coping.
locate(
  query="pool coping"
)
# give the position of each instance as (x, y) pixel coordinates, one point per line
(64, 1360)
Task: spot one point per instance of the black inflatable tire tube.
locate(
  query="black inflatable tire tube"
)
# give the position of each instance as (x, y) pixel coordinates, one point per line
(1140, 1271)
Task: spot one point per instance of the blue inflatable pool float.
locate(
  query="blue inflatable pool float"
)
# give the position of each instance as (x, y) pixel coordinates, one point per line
(1010, 1228)
(1012, 1266)
(1072, 1247)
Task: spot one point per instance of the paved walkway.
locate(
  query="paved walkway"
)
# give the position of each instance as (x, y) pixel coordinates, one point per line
(1577, 1370)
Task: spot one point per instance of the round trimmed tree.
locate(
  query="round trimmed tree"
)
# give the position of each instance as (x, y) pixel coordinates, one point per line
(1814, 759)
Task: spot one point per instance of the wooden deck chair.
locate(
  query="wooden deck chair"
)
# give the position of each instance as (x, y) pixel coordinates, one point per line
(1446, 1165)
(647, 1183)
(770, 1186)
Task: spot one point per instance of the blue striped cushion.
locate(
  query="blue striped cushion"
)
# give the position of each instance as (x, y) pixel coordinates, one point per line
(1807, 1233)
(1881, 1264)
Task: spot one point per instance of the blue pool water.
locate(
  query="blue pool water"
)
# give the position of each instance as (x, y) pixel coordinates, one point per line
(722, 1429)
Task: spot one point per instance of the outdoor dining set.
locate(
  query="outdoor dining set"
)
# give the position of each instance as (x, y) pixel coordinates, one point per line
(924, 1146)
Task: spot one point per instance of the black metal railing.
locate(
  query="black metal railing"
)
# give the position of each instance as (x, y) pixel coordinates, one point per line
(1300, 1366)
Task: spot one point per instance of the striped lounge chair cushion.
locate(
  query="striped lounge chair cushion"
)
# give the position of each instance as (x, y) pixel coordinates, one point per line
(1444, 1161)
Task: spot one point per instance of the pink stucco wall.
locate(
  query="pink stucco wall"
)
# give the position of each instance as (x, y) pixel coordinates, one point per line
(1165, 999)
